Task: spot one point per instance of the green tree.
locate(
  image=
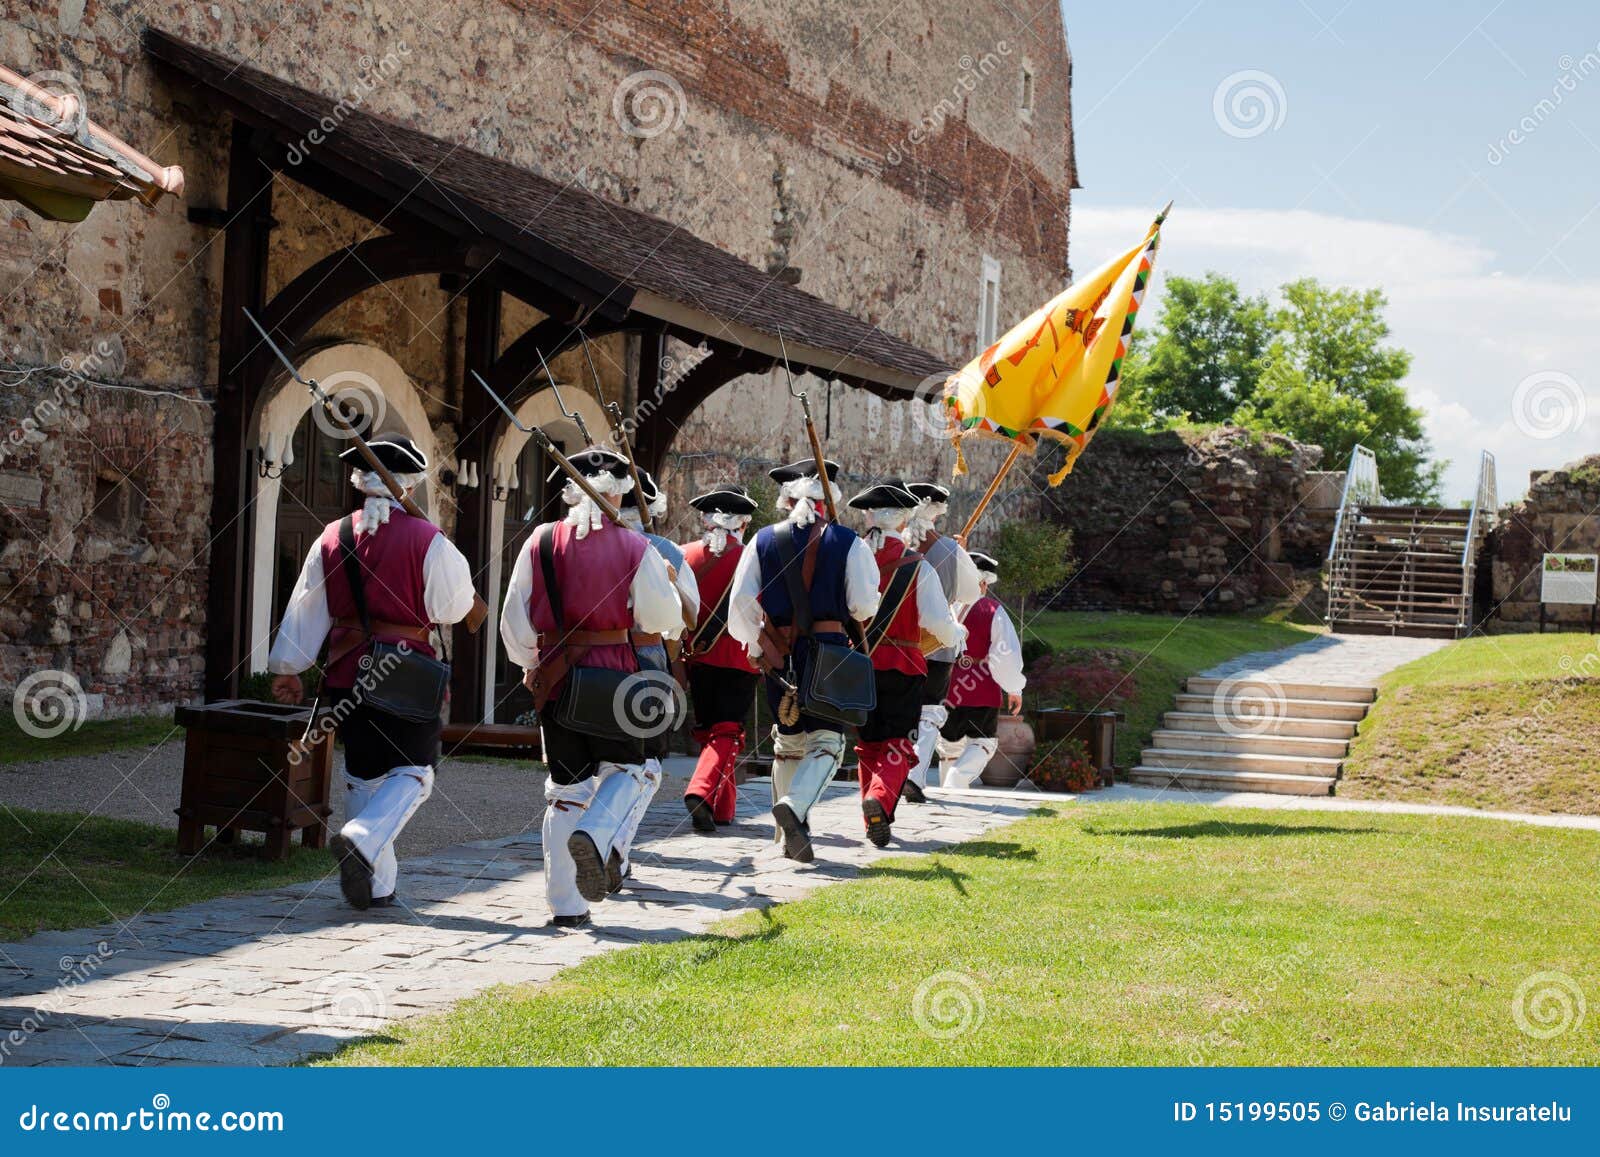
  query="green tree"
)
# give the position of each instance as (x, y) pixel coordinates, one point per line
(1033, 557)
(1204, 357)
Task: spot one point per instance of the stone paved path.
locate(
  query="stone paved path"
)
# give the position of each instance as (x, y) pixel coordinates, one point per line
(1340, 660)
(274, 977)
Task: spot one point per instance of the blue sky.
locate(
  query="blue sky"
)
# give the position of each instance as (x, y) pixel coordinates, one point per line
(1373, 144)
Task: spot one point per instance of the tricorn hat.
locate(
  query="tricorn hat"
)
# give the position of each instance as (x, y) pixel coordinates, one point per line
(984, 562)
(397, 453)
(805, 468)
(929, 491)
(890, 494)
(645, 493)
(595, 460)
(724, 498)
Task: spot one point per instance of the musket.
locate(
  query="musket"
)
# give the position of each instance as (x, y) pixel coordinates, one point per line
(480, 609)
(542, 440)
(583, 429)
(811, 433)
(621, 437)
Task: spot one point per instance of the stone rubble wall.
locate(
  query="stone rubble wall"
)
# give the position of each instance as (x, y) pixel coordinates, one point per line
(1559, 515)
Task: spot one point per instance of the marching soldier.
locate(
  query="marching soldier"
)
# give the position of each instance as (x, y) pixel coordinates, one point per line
(840, 581)
(959, 578)
(988, 672)
(722, 679)
(913, 606)
(586, 593)
(379, 575)
(656, 657)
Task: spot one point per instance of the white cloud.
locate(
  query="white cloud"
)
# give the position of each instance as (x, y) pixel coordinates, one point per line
(1475, 330)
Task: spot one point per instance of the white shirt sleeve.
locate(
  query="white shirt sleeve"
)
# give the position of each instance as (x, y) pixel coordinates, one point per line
(861, 595)
(933, 613)
(447, 591)
(306, 621)
(745, 615)
(969, 586)
(516, 629)
(1005, 654)
(689, 593)
(654, 599)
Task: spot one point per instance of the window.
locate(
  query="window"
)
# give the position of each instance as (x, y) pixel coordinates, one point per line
(989, 304)
(1025, 94)
(118, 506)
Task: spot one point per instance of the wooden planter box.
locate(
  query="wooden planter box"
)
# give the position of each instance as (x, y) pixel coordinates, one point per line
(1097, 730)
(246, 768)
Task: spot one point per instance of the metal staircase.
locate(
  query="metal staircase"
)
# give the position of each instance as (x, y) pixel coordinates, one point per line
(1405, 570)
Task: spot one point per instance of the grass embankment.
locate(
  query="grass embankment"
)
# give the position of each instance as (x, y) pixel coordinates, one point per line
(1501, 721)
(1103, 934)
(1155, 654)
(96, 737)
(72, 871)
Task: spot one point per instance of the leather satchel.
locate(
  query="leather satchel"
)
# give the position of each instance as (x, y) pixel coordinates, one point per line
(839, 685)
(395, 678)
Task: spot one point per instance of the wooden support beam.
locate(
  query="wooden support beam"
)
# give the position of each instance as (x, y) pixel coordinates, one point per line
(474, 536)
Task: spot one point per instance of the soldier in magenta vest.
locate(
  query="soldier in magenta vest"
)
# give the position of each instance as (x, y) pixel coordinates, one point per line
(844, 585)
(722, 679)
(959, 578)
(913, 607)
(988, 673)
(616, 597)
(412, 579)
(659, 657)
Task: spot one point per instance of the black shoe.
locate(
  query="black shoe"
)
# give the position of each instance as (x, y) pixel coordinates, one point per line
(355, 874)
(796, 835)
(700, 814)
(577, 921)
(593, 883)
(614, 873)
(911, 792)
(877, 823)
(388, 901)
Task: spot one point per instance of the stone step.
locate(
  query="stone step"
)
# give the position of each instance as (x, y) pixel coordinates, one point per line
(1177, 740)
(1286, 708)
(1410, 630)
(1427, 513)
(1186, 760)
(1232, 781)
(1208, 684)
(1205, 722)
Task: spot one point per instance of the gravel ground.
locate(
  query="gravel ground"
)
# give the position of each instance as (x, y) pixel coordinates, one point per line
(473, 798)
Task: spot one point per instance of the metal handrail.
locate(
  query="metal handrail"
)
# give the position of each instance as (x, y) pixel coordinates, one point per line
(1360, 484)
(1486, 508)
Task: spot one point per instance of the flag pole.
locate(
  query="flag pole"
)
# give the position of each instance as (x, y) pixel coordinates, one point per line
(994, 488)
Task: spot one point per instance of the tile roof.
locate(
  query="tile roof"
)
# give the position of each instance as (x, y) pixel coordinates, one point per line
(670, 272)
(59, 163)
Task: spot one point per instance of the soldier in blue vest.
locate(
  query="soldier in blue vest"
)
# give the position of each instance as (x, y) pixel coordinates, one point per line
(842, 584)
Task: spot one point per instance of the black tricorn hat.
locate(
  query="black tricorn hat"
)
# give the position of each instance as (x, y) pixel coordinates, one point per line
(647, 490)
(595, 460)
(724, 498)
(397, 453)
(890, 494)
(805, 468)
(984, 561)
(929, 491)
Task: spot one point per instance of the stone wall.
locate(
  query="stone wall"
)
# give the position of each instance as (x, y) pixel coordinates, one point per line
(873, 153)
(1559, 515)
(1182, 521)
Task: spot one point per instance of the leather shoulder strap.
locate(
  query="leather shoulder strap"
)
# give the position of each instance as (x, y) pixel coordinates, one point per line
(893, 597)
(794, 576)
(547, 565)
(352, 571)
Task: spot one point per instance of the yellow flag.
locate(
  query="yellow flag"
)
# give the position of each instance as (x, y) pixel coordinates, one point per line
(1055, 373)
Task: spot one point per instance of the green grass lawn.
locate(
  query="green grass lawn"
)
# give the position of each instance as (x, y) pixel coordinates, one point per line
(1100, 934)
(1158, 652)
(96, 737)
(68, 871)
(1499, 721)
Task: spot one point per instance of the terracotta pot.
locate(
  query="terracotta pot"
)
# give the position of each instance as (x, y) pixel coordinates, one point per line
(1011, 762)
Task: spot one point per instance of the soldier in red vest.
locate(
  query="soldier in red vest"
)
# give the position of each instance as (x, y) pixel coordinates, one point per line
(410, 579)
(607, 595)
(722, 679)
(913, 607)
(988, 673)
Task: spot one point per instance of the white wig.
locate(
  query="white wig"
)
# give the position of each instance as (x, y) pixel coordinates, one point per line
(719, 525)
(885, 519)
(380, 500)
(924, 518)
(583, 515)
(797, 498)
